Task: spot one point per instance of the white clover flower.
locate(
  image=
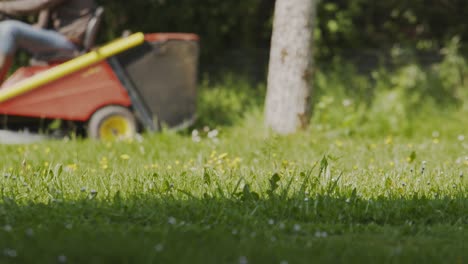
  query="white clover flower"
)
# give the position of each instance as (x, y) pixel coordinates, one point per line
(159, 247)
(243, 260)
(171, 220)
(29, 232)
(213, 134)
(461, 137)
(10, 252)
(321, 234)
(139, 138)
(7, 228)
(62, 259)
(271, 221)
(297, 227)
(347, 102)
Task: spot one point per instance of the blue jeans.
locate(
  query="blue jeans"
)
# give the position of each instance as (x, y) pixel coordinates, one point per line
(18, 35)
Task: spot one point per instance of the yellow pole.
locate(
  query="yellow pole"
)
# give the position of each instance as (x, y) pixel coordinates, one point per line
(71, 66)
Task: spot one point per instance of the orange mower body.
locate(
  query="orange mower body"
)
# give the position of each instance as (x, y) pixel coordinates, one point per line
(144, 81)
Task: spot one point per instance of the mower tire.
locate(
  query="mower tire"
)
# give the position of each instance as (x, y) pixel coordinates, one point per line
(112, 123)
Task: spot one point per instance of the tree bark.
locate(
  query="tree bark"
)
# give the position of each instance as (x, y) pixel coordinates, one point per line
(287, 106)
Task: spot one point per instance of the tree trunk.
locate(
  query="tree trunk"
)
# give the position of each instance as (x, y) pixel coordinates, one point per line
(287, 105)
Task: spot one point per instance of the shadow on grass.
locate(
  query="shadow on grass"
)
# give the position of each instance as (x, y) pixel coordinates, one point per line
(162, 228)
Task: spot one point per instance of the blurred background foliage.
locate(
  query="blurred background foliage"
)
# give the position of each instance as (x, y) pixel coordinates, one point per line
(236, 34)
(379, 65)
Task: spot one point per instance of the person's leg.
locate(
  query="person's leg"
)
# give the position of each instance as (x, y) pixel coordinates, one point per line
(7, 49)
(18, 35)
(5, 64)
(36, 40)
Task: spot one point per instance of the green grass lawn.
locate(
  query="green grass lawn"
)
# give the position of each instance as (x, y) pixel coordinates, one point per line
(241, 195)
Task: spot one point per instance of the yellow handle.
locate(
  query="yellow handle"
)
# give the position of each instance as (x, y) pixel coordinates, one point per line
(71, 66)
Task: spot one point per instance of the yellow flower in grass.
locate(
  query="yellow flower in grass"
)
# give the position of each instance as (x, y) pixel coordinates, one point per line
(124, 157)
(338, 143)
(103, 163)
(388, 140)
(72, 167)
(151, 166)
(213, 154)
(235, 162)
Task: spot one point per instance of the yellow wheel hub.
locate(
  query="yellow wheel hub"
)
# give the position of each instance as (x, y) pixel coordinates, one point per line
(115, 127)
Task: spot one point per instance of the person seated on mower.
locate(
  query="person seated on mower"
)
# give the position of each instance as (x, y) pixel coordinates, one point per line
(60, 28)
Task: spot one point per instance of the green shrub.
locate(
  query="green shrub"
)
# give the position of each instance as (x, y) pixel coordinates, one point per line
(226, 102)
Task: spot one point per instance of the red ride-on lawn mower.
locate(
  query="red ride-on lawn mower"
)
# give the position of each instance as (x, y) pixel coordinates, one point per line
(143, 81)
